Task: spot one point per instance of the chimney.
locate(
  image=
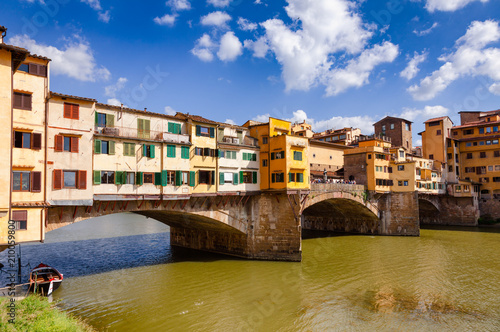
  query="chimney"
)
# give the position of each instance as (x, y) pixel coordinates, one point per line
(3, 31)
(145, 109)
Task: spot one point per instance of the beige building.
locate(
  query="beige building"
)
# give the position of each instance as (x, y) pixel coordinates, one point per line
(326, 157)
(302, 129)
(344, 136)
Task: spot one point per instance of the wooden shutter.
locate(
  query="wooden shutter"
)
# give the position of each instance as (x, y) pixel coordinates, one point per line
(111, 147)
(212, 132)
(33, 69)
(164, 178)
(26, 102)
(170, 127)
(221, 178)
(18, 100)
(198, 130)
(206, 152)
(272, 155)
(57, 181)
(300, 177)
(158, 179)
(75, 111)
(110, 120)
(36, 182)
(151, 151)
(67, 111)
(254, 177)
(82, 180)
(178, 128)
(36, 141)
(96, 115)
(97, 177)
(178, 178)
(74, 144)
(58, 143)
(97, 146)
(241, 177)
(124, 178)
(185, 152)
(19, 215)
(118, 177)
(140, 128)
(144, 150)
(147, 125)
(212, 177)
(192, 179)
(42, 70)
(138, 178)
(290, 177)
(235, 178)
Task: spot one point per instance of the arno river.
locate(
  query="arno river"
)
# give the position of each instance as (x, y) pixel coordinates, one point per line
(122, 275)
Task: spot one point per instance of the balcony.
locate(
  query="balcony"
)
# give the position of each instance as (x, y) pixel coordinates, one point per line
(150, 135)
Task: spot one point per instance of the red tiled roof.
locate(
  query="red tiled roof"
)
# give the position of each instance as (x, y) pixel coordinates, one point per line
(438, 119)
(55, 94)
(22, 50)
(392, 117)
(196, 118)
(126, 109)
(475, 124)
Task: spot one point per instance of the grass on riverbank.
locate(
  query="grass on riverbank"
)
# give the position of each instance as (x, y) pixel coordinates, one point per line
(36, 314)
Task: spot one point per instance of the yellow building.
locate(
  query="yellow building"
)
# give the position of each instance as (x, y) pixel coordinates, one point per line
(203, 153)
(284, 158)
(25, 87)
(302, 129)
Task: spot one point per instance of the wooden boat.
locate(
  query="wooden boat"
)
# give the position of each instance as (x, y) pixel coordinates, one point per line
(45, 279)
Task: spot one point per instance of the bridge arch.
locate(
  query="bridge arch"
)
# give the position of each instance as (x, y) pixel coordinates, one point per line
(428, 210)
(347, 212)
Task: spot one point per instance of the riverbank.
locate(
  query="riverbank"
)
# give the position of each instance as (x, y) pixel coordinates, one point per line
(35, 313)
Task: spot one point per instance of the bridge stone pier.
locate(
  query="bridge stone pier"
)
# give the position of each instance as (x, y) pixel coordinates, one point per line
(349, 209)
(448, 210)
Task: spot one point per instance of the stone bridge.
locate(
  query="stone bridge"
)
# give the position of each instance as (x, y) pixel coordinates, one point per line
(448, 210)
(261, 225)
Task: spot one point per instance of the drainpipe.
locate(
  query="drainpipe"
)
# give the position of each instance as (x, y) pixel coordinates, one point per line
(11, 138)
(42, 231)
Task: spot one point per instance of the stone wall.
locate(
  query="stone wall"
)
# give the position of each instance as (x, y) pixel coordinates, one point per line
(355, 166)
(448, 210)
(398, 213)
(490, 209)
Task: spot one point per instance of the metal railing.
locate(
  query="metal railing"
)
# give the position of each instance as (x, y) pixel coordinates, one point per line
(134, 133)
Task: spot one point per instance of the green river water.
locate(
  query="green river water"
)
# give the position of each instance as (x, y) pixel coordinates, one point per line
(444, 280)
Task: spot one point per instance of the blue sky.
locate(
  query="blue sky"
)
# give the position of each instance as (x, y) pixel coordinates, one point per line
(335, 63)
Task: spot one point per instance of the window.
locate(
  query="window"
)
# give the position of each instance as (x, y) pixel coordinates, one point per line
(482, 154)
(174, 128)
(392, 125)
(185, 178)
(277, 155)
(450, 156)
(469, 155)
(107, 177)
(185, 152)
(228, 154)
(369, 156)
(20, 217)
(248, 177)
(401, 154)
(205, 131)
(66, 143)
(496, 153)
(383, 128)
(104, 147)
(34, 69)
(21, 181)
(206, 177)
(71, 111)
(455, 133)
(22, 101)
(26, 140)
(297, 155)
(148, 150)
(456, 157)
(129, 149)
(481, 130)
(264, 162)
(488, 142)
(481, 143)
(484, 180)
(495, 129)
(277, 177)
(438, 132)
(470, 169)
(143, 128)
(469, 132)
(264, 140)
(69, 179)
(148, 178)
(249, 156)
(206, 152)
(170, 151)
(407, 126)
(495, 141)
(130, 178)
(468, 144)
(171, 178)
(450, 168)
(488, 130)
(497, 167)
(490, 168)
(291, 177)
(401, 167)
(496, 179)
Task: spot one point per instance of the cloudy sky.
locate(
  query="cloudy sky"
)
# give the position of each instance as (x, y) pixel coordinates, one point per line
(335, 63)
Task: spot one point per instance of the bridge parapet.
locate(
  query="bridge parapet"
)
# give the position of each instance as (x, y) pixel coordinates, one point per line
(337, 187)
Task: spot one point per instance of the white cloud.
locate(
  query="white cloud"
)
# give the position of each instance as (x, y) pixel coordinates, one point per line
(167, 19)
(448, 5)
(104, 16)
(230, 47)
(470, 58)
(219, 3)
(113, 89)
(262, 118)
(259, 47)
(412, 69)
(114, 102)
(179, 5)
(418, 142)
(495, 89)
(229, 121)
(94, 4)
(246, 25)
(217, 19)
(169, 110)
(428, 112)
(203, 48)
(357, 71)
(308, 54)
(75, 59)
(426, 31)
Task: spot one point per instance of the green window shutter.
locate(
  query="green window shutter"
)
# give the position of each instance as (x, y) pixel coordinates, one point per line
(138, 178)
(111, 149)
(151, 151)
(212, 132)
(164, 178)
(144, 150)
(290, 179)
(147, 124)
(124, 177)
(221, 178)
(171, 151)
(254, 157)
(158, 179)
(140, 128)
(192, 179)
(110, 120)
(185, 152)
(170, 127)
(97, 146)
(178, 128)
(254, 177)
(235, 178)
(244, 156)
(97, 177)
(300, 177)
(198, 130)
(178, 178)
(241, 177)
(118, 178)
(96, 117)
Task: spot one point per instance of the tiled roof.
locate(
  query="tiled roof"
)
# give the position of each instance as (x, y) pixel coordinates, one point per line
(392, 117)
(126, 109)
(196, 118)
(55, 94)
(22, 50)
(476, 123)
(438, 119)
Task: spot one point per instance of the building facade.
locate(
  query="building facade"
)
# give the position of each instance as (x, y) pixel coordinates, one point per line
(397, 129)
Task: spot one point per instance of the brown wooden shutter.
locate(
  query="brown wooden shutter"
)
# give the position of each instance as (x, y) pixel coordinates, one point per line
(57, 182)
(33, 69)
(67, 111)
(19, 215)
(36, 142)
(36, 182)
(75, 112)
(82, 180)
(26, 102)
(58, 143)
(18, 100)
(42, 70)
(74, 144)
